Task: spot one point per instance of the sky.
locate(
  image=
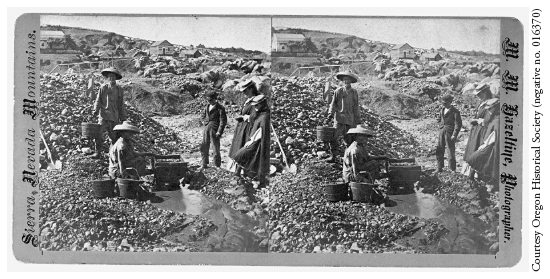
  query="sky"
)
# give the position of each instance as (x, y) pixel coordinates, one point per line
(252, 33)
(451, 33)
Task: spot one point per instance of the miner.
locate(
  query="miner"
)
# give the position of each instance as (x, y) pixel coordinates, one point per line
(109, 106)
(215, 119)
(358, 164)
(343, 111)
(450, 124)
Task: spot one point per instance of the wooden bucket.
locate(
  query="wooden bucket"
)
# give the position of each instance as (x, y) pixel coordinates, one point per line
(361, 192)
(325, 134)
(128, 188)
(337, 192)
(90, 130)
(103, 188)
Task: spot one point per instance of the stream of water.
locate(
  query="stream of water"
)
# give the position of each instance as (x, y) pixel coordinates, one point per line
(465, 234)
(234, 231)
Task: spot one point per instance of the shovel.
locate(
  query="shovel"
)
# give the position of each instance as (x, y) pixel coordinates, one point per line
(51, 165)
(286, 168)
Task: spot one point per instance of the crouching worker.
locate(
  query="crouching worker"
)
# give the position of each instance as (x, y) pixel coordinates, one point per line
(358, 164)
(215, 119)
(254, 155)
(122, 154)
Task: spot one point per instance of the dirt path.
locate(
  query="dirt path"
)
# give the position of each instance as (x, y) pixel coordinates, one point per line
(426, 131)
(189, 128)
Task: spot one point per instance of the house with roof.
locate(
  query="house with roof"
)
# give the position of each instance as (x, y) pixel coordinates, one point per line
(430, 57)
(51, 39)
(282, 42)
(162, 48)
(190, 53)
(402, 51)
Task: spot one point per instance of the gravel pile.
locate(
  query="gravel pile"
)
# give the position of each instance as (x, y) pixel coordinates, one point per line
(297, 110)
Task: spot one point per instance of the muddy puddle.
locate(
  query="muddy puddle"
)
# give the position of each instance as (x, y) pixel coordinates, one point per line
(233, 232)
(464, 233)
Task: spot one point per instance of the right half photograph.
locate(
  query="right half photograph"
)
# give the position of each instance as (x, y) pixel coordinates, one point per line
(386, 135)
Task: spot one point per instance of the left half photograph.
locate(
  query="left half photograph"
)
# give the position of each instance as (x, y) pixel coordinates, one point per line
(155, 133)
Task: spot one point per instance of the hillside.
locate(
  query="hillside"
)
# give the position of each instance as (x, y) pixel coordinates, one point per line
(339, 45)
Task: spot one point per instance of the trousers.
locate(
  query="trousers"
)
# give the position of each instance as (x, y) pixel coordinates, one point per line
(341, 130)
(106, 126)
(445, 141)
(209, 138)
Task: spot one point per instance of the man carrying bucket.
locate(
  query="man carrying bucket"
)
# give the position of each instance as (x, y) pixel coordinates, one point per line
(358, 165)
(344, 111)
(109, 106)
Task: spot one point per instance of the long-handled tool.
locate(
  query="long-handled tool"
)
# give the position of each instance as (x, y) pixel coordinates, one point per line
(51, 165)
(286, 168)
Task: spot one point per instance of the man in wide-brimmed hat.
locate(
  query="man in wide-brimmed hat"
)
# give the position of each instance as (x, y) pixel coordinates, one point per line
(215, 118)
(109, 106)
(450, 124)
(122, 154)
(343, 110)
(358, 164)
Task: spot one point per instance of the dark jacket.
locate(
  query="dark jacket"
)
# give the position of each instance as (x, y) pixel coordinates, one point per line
(451, 121)
(215, 119)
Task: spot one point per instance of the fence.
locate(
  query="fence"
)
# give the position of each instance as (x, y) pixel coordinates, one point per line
(329, 70)
(88, 65)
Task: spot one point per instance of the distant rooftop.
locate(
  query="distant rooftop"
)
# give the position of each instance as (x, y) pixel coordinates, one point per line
(281, 37)
(400, 46)
(189, 51)
(51, 34)
(158, 43)
(431, 55)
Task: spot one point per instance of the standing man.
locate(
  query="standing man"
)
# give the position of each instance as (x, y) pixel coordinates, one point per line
(344, 110)
(450, 124)
(215, 119)
(109, 106)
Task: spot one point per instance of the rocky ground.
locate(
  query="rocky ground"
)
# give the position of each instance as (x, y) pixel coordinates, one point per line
(71, 218)
(303, 221)
(292, 214)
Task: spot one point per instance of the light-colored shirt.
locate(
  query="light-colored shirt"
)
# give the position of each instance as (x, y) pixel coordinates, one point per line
(345, 106)
(122, 151)
(110, 103)
(357, 159)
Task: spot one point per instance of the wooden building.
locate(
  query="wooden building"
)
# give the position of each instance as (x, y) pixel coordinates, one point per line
(402, 51)
(430, 57)
(50, 39)
(282, 42)
(190, 53)
(162, 48)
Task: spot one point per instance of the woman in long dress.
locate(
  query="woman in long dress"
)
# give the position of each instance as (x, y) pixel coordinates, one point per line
(254, 155)
(485, 159)
(245, 120)
(483, 92)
